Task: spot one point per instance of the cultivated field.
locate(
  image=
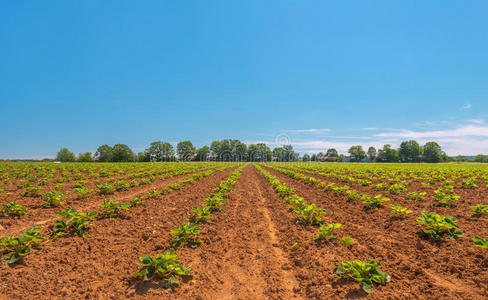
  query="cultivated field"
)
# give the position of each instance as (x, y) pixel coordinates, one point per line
(243, 231)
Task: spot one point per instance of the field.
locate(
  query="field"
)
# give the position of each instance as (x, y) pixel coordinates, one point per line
(243, 231)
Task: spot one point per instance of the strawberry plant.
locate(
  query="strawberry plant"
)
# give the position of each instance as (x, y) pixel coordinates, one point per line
(416, 196)
(12, 209)
(53, 198)
(105, 189)
(82, 192)
(134, 201)
(347, 241)
(111, 209)
(375, 202)
(480, 209)
(75, 223)
(185, 234)
(399, 211)
(435, 226)
(31, 191)
(15, 248)
(365, 272)
(326, 232)
(443, 199)
(202, 215)
(309, 214)
(469, 183)
(480, 242)
(165, 266)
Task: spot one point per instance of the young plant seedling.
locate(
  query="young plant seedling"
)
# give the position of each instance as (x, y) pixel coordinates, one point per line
(326, 232)
(309, 214)
(435, 226)
(165, 266)
(185, 234)
(82, 192)
(202, 215)
(399, 211)
(365, 272)
(53, 198)
(480, 242)
(417, 196)
(480, 209)
(347, 241)
(111, 209)
(12, 209)
(105, 189)
(75, 223)
(375, 202)
(15, 248)
(443, 199)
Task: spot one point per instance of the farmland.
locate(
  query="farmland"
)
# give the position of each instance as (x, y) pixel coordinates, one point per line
(224, 230)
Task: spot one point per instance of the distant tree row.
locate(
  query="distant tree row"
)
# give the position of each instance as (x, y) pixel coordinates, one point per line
(224, 150)
(235, 150)
(409, 151)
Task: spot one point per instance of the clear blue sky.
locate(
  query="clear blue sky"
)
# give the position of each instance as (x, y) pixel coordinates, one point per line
(320, 73)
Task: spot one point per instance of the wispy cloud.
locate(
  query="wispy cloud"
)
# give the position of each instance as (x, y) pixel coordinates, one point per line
(310, 130)
(476, 121)
(467, 106)
(466, 130)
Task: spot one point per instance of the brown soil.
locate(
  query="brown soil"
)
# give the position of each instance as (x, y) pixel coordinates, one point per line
(419, 269)
(246, 252)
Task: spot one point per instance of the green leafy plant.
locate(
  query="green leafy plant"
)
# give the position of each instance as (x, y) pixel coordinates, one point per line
(435, 226)
(122, 185)
(15, 248)
(399, 211)
(309, 214)
(480, 209)
(31, 191)
(75, 223)
(443, 199)
(326, 232)
(469, 183)
(105, 189)
(154, 193)
(375, 202)
(365, 272)
(480, 242)
(135, 201)
(12, 209)
(111, 209)
(347, 241)
(53, 198)
(202, 215)
(82, 192)
(165, 266)
(417, 196)
(185, 234)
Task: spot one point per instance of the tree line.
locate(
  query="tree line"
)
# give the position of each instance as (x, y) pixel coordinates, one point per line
(224, 150)
(235, 150)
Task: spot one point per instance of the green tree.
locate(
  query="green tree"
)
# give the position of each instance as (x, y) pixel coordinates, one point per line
(357, 153)
(143, 157)
(122, 153)
(228, 150)
(85, 157)
(387, 154)
(372, 153)
(104, 154)
(460, 158)
(410, 151)
(288, 153)
(64, 155)
(185, 150)
(481, 158)
(278, 154)
(313, 157)
(160, 151)
(432, 152)
(202, 154)
(331, 152)
(259, 152)
(306, 157)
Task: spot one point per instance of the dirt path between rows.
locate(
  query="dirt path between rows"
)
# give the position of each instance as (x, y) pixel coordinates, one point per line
(241, 256)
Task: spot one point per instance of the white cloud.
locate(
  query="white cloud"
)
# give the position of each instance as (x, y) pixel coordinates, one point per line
(311, 130)
(467, 106)
(476, 121)
(466, 130)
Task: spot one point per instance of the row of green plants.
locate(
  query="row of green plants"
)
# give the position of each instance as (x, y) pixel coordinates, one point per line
(166, 265)
(72, 222)
(367, 272)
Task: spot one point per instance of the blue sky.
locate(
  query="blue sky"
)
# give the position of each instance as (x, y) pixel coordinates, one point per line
(318, 74)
